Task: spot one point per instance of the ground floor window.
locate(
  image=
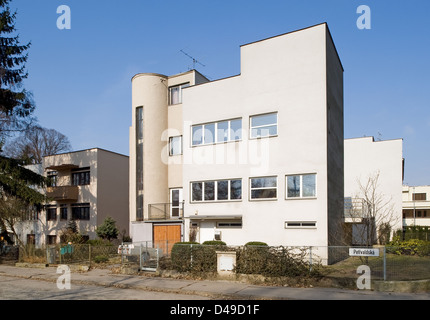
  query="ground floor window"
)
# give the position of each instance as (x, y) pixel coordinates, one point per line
(300, 224)
(51, 213)
(51, 239)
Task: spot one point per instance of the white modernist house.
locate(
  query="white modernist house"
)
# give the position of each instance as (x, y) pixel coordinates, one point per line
(373, 177)
(86, 186)
(253, 157)
(416, 206)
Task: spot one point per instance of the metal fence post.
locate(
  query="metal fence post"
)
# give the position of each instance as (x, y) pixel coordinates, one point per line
(191, 256)
(140, 257)
(385, 264)
(310, 258)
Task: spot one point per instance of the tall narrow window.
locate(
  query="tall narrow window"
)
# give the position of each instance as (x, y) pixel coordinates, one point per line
(139, 163)
(264, 125)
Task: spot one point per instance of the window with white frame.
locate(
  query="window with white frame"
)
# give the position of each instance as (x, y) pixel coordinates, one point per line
(216, 190)
(264, 125)
(263, 188)
(300, 224)
(175, 93)
(175, 145)
(301, 186)
(217, 132)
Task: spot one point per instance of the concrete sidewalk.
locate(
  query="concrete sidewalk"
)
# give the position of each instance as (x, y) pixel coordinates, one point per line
(213, 289)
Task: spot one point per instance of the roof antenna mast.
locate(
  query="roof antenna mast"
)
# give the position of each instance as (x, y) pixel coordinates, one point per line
(194, 59)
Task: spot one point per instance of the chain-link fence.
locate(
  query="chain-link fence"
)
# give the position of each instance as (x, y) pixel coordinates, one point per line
(85, 254)
(384, 263)
(342, 262)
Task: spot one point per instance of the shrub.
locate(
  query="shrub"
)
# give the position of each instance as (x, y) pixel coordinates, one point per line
(193, 257)
(214, 243)
(409, 247)
(255, 243)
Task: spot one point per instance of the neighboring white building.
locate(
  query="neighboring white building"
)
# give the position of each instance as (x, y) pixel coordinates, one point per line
(416, 206)
(253, 157)
(86, 186)
(367, 160)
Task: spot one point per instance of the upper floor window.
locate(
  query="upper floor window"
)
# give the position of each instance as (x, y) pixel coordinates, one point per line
(217, 132)
(175, 145)
(81, 176)
(419, 196)
(52, 178)
(220, 190)
(263, 188)
(175, 93)
(301, 186)
(264, 125)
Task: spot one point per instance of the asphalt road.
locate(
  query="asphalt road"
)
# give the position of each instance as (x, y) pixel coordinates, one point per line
(12, 288)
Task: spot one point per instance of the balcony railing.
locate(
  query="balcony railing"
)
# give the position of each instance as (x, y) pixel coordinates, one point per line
(62, 193)
(355, 209)
(166, 211)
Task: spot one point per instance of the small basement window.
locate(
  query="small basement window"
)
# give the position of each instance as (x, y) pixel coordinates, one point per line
(300, 224)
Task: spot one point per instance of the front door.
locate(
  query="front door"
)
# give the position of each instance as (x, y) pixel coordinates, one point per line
(176, 201)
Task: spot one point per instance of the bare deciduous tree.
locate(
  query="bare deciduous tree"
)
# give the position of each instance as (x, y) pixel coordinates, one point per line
(377, 215)
(37, 142)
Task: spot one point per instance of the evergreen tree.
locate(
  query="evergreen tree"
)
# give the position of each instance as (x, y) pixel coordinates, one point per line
(16, 103)
(108, 229)
(17, 184)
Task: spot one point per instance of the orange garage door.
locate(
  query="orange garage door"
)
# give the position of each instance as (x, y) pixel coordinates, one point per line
(165, 236)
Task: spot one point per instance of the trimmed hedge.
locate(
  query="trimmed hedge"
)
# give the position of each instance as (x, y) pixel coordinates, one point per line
(253, 258)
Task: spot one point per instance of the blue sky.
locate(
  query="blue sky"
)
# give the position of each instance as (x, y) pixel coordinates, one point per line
(81, 78)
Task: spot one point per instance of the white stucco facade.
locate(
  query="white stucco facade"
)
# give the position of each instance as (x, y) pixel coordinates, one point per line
(367, 160)
(416, 206)
(250, 136)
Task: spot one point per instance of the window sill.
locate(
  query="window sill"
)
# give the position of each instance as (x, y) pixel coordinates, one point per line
(216, 201)
(214, 143)
(302, 198)
(256, 138)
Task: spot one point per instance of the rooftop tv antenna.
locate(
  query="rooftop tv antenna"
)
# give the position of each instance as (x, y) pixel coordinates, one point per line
(194, 59)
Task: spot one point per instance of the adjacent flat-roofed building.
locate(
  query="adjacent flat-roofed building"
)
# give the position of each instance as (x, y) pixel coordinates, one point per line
(253, 157)
(86, 186)
(416, 206)
(373, 186)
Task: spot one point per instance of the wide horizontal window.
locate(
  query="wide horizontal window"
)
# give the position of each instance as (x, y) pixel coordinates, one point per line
(263, 188)
(301, 186)
(300, 224)
(219, 190)
(217, 132)
(264, 125)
